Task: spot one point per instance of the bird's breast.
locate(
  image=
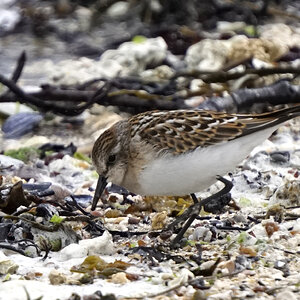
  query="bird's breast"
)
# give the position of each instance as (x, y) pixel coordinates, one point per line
(196, 170)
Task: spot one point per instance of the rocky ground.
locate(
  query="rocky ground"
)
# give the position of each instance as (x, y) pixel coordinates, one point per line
(52, 246)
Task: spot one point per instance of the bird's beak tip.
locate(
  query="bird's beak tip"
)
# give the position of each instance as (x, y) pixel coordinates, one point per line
(101, 184)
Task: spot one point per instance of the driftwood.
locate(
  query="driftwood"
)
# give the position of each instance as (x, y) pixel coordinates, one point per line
(134, 94)
(241, 100)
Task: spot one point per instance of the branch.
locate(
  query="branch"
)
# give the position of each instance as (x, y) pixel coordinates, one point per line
(43, 106)
(282, 92)
(148, 96)
(223, 76)
(49, 93)
(19, 68)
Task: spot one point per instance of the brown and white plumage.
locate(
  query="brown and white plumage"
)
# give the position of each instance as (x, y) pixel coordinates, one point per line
(184, 130)
(180, 152)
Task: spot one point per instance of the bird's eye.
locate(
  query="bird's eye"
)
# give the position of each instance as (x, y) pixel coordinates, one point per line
(111, 159)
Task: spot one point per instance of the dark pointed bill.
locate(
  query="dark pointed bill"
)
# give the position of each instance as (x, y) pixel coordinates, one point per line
(101, 184)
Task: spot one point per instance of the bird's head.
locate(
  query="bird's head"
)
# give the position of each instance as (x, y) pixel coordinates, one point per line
(110, 156)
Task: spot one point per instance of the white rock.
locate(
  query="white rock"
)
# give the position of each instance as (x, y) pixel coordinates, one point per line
(296, 226)
(7, 266)
(201, 233)
(118, 9)
(131, 58)
(207, 265)
(35, 141)
(280, 34)
(258, 231)
(207, 55)
(72, 251)
(10, 108)
(286, 295)
(183, 277)
(224, 26)
(134, 57)
(287, 193)
(99, 245)
(66, 165)
(259, 64)
(6, 161)
(2, 255)
(158, 74)
(9, 18)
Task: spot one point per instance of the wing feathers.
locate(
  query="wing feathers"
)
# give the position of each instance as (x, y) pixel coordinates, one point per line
(185, 130)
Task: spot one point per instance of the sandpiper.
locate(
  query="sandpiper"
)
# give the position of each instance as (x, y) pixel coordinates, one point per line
(179, 152)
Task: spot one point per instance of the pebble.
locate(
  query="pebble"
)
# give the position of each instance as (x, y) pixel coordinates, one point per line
(19, 124)
(286, 295)
(99, 245)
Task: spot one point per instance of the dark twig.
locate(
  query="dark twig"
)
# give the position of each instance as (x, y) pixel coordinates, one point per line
(287, 251)
(28, 98)
(59, 95)
(17, 72)
(9, 247)
(222, 76)
(19, 92)
(51, 228)
(232, 228)
(31, 244)
(19, 68)
(75, 204)
(282, 92)
(47, 249)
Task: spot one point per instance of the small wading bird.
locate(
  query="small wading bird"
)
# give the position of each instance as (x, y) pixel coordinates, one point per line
(180, 152)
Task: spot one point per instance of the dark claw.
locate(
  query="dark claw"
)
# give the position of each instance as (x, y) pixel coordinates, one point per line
(101, 184)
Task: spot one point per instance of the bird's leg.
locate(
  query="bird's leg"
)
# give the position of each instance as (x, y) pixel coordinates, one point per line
(182, 218)
(197, 205)
(191, 214)
(194, 198)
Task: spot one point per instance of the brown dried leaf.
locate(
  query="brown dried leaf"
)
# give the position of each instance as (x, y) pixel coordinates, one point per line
(248, 251)
(271, 227)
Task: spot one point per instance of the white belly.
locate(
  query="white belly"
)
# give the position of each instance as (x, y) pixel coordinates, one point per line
(195, 171)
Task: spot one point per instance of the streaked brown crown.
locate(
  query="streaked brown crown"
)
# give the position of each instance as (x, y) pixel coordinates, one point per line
(104, 143)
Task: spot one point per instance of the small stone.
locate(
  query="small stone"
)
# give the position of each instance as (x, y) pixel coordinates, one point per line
(112, 213)
(159, 220)
(229, 265)
(199, 295)
(207, 265)
(248, 251)
(19, 124)
(7, 162)
(202, 233)
(118, 9)
(7, 266)
(280, 157)
(134, 221)
(73, 251)
(99, 245)
(286, 295)
(165, 235)
(119, 278)
(57, 277)
(271, 227)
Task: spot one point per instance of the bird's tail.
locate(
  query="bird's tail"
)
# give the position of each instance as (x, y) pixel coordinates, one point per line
(269, 119)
